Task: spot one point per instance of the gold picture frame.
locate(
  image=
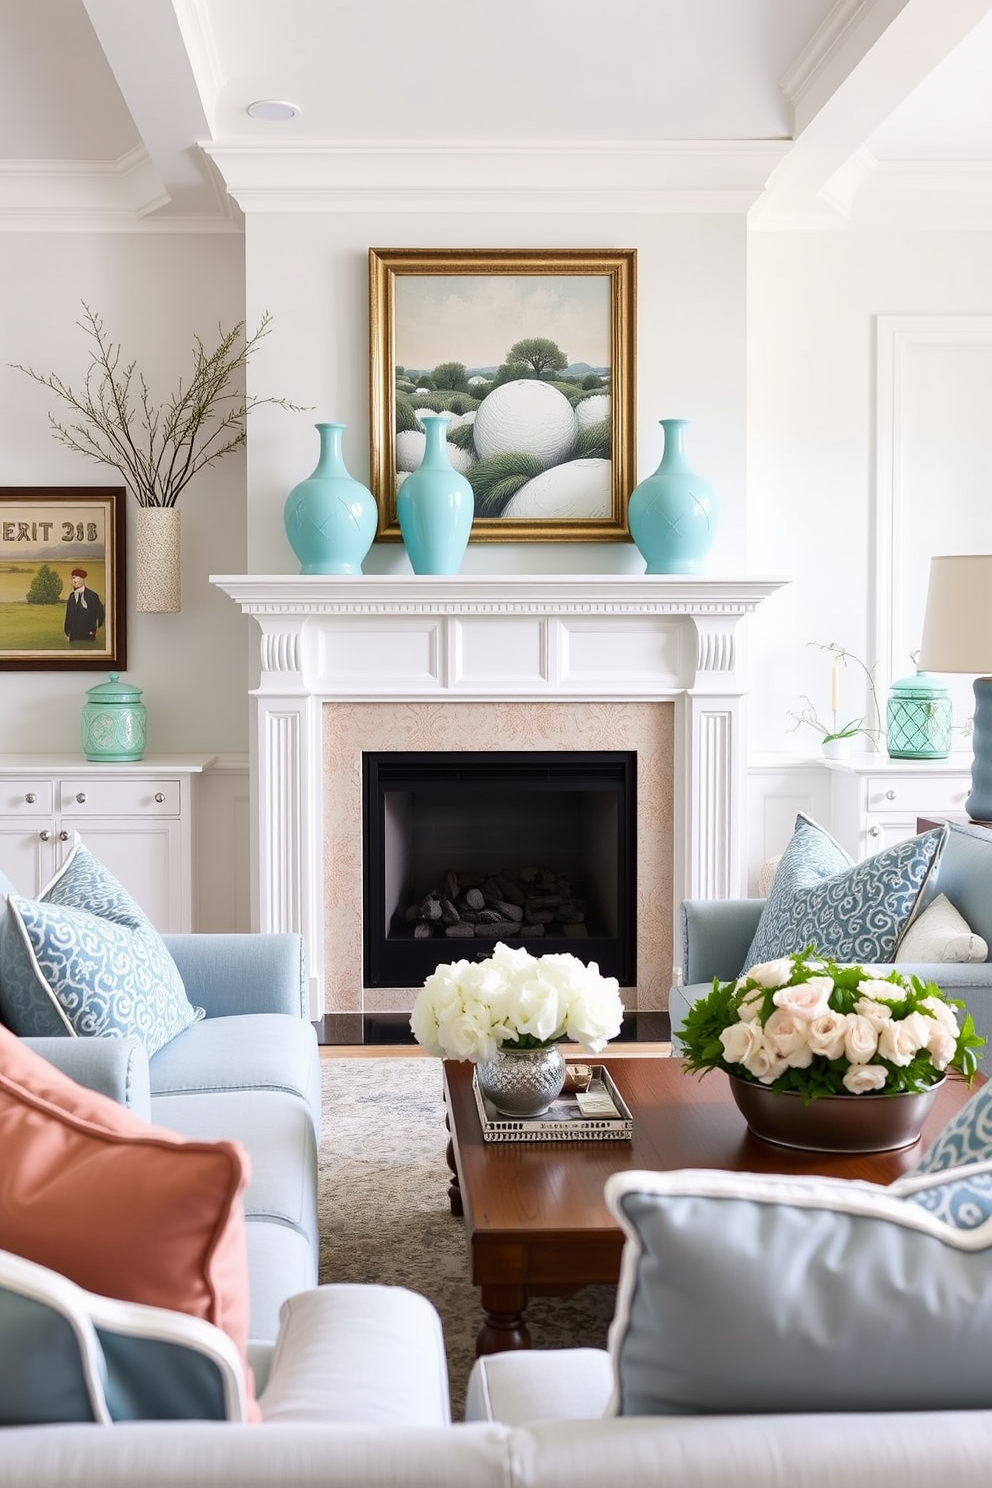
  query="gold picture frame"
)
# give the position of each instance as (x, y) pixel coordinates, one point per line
(467, 309)
(48, 533)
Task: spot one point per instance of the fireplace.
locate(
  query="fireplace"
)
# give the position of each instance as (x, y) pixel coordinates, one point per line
(646, 664)
(461, 849)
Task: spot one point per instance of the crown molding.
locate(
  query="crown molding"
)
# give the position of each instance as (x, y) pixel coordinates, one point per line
(478, 176)
(123, 195)
(873, 195)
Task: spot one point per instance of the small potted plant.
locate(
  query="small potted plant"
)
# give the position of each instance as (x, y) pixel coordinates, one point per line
(836, 736)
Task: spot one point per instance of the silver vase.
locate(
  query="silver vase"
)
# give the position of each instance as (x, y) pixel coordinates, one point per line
(523, 1082)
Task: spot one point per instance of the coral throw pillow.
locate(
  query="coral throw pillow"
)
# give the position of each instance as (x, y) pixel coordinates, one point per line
(119, 1206)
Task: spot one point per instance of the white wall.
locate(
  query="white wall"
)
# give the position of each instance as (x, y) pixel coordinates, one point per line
(153, 291)
(813, 453)
(311, 272)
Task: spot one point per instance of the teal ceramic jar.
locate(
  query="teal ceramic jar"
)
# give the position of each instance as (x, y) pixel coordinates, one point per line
(330, 518)
(435, 505)
(918, 719)
(672, 514)
(114, 721)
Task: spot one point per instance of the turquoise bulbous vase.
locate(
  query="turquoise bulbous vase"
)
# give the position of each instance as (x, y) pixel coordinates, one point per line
(672, 514)
(330, 518)
(435, 505)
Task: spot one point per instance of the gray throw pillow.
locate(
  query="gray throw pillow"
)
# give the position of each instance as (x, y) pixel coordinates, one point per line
(741, 1292)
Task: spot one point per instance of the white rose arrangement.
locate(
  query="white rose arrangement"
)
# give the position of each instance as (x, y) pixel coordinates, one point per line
(513, 1000)
(805, 1024)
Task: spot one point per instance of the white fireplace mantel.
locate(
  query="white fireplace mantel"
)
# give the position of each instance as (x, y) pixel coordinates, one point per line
(477, 638)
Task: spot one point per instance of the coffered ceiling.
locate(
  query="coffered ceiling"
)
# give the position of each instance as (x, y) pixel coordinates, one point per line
(134, 113)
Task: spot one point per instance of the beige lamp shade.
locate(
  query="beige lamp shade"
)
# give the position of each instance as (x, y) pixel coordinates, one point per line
(957, 626)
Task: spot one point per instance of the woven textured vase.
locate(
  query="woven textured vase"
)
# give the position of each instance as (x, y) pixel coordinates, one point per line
(158, 580)
(523, 1082)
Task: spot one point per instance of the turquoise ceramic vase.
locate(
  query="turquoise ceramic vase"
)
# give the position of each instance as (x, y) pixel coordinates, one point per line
(330, 518)
(435, 505)
(672, 513)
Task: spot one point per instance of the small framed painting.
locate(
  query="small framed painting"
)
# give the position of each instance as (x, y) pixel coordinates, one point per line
(62, 585)
(531, 353)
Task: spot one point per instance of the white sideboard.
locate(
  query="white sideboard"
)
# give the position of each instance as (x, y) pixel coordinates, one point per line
(866, 801)
(876, 800)
(138, 819)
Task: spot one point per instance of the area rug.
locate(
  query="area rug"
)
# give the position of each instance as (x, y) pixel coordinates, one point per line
(385, 1217)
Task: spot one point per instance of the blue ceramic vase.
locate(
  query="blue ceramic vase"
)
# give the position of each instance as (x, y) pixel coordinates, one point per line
(672, 513)
(435, 505)
(330, 518)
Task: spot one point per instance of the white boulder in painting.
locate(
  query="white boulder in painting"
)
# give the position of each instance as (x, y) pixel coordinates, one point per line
(528, 418)
(579, 488)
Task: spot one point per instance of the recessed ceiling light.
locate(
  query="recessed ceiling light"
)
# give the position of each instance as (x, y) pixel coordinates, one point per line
(276, 109)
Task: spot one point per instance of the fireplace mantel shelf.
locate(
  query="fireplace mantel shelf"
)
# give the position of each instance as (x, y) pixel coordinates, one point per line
(662, 594)
(559, 640)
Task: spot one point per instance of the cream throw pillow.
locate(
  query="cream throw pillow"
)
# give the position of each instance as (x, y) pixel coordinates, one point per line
(941, 934)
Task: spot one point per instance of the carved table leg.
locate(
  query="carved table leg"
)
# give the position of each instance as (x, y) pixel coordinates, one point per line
(505, 1327)
(454, 1189)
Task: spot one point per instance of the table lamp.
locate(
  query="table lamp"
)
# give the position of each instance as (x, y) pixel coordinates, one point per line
(957, 637)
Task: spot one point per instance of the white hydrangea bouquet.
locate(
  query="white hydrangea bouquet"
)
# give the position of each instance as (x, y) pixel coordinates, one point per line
(513, 1000)
(805, 1024)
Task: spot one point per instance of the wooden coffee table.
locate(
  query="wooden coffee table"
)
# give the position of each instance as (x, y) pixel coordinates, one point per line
(535, 1218)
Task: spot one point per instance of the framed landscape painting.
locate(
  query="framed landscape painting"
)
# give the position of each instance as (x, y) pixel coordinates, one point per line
(62, 587)
(531, 352)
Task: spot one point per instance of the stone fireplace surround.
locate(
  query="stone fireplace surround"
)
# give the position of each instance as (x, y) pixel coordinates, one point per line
(561, 660)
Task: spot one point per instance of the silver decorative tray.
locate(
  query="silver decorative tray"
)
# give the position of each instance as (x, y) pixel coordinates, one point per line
(563, 1121)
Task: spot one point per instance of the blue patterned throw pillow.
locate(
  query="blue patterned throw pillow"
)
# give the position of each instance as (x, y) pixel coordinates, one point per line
(848, 911)
(85, 960)
(964, 1201)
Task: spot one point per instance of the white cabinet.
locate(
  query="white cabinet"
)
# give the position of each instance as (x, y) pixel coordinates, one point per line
(876, 800)
(138, 819)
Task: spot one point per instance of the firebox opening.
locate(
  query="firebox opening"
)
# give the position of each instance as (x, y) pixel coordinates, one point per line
(464, 849)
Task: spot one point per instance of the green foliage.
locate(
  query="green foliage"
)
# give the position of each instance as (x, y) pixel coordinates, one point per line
(406, 419)
(512, 372)
(539, 353)
(495, 480)
(720, 1010)
(158, 449)
(46, 587)
(462, 437)
(593, 382)
(451, 376)
(593, 442)
(445, 403)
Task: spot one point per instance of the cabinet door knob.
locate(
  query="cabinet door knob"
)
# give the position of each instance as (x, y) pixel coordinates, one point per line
(81, 797)
(45, 836)
(873, 831)
(63, 836)
(890, 795)
(160, 796)
(31, 797)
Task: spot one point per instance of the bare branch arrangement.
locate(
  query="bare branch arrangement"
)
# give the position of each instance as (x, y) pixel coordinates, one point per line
(158, 449)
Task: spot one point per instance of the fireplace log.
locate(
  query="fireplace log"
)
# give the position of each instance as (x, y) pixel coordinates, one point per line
(497, 930)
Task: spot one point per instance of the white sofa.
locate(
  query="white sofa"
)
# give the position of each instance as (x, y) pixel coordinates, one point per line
(360, 1401)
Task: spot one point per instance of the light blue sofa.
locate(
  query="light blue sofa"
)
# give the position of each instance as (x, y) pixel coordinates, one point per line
(249, 1071)
(717, 933)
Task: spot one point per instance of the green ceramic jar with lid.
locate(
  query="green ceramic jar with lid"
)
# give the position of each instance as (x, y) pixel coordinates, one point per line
(918, 718)
(114, 721)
